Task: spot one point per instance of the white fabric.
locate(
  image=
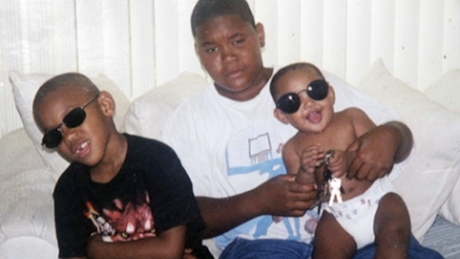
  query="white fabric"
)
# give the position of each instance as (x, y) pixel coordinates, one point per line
(433, 166)
(230, 147)
(25, 86)
(446, 91)
(148, 113)
(357, 215)
(26, 211)
(27, 247)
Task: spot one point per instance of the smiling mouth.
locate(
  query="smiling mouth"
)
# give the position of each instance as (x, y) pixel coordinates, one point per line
(82, 149)
(314, 117)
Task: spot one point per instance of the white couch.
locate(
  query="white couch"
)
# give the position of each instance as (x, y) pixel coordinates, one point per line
(429, 186)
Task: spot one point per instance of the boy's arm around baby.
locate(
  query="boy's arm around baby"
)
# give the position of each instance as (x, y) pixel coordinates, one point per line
(378, 149)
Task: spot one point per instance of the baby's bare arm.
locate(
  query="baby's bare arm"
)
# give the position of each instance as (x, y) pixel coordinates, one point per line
(303, 165)
(340, 162)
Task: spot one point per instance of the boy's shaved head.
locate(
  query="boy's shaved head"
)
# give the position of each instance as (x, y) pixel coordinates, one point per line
(208, 9)
(67, 81)
(73, 81)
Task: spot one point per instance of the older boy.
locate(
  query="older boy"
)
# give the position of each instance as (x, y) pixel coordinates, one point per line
(122, 196)
(230, 142)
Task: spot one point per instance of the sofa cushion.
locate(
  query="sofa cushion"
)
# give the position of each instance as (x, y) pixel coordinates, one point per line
(27, 205)
(17, 154)
(444, 237)
(446, 91)
(25, 86)
(148, 113)
(27, 247)
(432, 168)
(26, 211)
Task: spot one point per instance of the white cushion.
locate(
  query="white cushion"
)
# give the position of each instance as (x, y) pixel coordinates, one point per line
(27, 247)
(27, 204)
(432, 168)
(446, 91)
(25, 86)
(17, 154)
(148, 113)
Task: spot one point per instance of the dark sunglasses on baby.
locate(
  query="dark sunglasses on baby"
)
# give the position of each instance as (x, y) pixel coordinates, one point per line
(290, 102)
(73, 119)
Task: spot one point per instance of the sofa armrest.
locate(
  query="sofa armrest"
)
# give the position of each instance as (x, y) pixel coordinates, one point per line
(26, 214)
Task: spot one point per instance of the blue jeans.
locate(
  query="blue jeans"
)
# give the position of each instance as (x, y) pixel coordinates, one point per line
(287, 249)
(416, 251)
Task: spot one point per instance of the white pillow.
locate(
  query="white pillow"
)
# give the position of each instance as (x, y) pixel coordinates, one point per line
(432, 168)
(27, 205)
(446, 91)
(25, 86)
(148, 113)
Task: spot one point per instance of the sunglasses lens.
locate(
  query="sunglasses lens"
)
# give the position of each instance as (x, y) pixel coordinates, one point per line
(75, 118)
(52, 138)
(317, 90)
(289, 103)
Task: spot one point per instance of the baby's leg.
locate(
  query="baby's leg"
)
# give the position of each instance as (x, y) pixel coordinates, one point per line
(331, 240)
(392, 228)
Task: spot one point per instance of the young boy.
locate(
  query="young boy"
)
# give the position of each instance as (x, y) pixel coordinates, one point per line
(305, 100)
(122, 196)
(230, 143)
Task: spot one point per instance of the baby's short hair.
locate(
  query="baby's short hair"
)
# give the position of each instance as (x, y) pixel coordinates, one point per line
(208, 9)
(289, 68)
(68, 80)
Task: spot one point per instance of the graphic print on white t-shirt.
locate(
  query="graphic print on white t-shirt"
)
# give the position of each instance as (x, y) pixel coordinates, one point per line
(254, 155)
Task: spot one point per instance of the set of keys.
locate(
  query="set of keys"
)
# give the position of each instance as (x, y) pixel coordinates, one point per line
(332, 187)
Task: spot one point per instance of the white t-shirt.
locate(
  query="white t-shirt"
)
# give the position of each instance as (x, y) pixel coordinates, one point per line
(229, 147)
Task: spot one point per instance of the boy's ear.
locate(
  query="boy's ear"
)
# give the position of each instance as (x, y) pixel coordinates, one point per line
(107, 103)
(280, 116)
(260, 34)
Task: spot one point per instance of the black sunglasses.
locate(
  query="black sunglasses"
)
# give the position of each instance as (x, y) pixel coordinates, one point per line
(73, 119)
(290, 102)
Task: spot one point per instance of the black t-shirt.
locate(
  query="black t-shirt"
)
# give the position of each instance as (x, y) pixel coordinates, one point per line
(150, 194)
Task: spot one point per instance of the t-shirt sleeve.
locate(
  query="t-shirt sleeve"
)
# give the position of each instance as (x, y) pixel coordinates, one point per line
(348, 96)
(182, 130)
(71, 226)
(172, 196)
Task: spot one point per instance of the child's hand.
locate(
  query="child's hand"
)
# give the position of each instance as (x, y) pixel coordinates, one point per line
(312, 156)
(339, 163)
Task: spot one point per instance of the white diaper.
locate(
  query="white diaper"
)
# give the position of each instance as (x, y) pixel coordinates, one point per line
(357, 215)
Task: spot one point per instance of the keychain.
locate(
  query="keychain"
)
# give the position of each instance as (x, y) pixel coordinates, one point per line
(332, 187)
(333, 184)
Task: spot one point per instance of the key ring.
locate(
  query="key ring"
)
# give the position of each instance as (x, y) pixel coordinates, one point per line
(329, 154)
(328, 174)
